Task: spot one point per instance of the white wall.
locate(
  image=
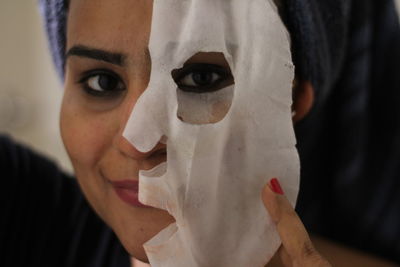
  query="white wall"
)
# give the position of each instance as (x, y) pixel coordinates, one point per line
(398, 5)
(30, 93)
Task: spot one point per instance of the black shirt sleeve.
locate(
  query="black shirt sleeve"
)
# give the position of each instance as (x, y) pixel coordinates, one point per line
(45, 220)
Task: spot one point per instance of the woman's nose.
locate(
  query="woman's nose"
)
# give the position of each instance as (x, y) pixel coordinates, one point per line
(129, 150)
(123, 145)
(136, 90)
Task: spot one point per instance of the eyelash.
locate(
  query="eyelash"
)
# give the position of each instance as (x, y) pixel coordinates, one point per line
(190, 69)
(86, 76)
(178, 75)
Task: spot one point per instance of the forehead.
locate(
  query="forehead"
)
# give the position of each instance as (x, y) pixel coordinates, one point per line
(116, 24)
(125, 25)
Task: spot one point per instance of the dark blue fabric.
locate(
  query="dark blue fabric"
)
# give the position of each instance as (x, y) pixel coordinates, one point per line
(319, 38)
(45, 220)
(54, 13)
(349, 144)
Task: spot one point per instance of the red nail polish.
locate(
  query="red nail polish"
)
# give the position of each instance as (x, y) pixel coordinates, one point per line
(276, 186)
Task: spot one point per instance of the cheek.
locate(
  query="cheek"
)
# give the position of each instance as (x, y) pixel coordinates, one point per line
(86, 135)
(204, 108)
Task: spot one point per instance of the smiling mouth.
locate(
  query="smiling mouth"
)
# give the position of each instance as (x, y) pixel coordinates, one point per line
(128, 190)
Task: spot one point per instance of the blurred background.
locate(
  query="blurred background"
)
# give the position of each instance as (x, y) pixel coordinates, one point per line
(30, 92)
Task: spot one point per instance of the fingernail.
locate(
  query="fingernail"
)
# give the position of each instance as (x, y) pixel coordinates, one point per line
(276, 186)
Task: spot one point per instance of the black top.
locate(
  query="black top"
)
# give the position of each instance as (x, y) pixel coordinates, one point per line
(45, 220)
(349, 144)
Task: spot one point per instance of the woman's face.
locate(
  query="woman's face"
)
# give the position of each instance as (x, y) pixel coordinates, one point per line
(107, 69)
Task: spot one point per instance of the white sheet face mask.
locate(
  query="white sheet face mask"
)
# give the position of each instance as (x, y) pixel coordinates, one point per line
(224, 145)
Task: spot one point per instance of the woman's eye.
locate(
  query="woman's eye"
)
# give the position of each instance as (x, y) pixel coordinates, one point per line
(102, 83)
(202, 78)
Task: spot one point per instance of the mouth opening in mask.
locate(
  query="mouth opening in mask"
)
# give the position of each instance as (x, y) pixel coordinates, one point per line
(205, 88)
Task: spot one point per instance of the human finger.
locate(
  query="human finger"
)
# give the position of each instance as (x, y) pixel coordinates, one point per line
(297, 248)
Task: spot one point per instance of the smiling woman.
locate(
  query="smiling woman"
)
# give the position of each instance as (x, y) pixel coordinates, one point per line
(108, 69)
(148, 105)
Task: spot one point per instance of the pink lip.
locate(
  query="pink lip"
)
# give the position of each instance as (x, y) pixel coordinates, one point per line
(128, 191)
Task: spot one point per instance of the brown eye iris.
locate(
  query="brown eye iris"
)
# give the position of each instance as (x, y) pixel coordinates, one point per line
(107, 82)
(103, 82)
(203, 78)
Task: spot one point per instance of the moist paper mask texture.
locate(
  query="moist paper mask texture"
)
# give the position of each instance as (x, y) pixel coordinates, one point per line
(216, 168)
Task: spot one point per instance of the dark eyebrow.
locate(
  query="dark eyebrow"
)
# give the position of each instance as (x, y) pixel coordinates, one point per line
(98, 54)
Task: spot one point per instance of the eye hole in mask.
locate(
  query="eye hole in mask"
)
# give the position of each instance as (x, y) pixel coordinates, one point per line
(204, 88)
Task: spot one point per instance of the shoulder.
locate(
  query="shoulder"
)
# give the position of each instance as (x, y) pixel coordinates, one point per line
(46, 217)
(22, 166)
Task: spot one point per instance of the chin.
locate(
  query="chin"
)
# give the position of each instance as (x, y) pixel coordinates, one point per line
(135, 226)
(135, 251)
